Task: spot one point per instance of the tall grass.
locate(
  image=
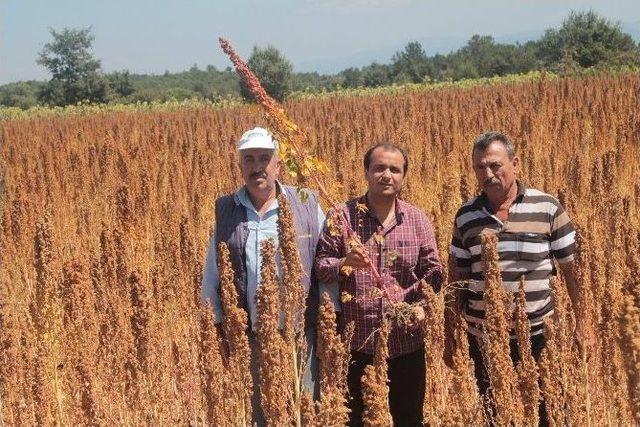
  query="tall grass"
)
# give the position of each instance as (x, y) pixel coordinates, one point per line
(106, 219)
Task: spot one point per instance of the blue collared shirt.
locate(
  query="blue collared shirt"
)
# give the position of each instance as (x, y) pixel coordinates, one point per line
(259, 230)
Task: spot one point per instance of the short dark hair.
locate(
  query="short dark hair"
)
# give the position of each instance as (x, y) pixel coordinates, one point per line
(387, 146)
(483, 141)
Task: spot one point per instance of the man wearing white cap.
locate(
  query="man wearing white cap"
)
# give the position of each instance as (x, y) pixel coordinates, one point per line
(247, 217)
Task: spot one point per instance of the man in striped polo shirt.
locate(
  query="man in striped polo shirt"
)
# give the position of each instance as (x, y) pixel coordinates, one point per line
(533, 230)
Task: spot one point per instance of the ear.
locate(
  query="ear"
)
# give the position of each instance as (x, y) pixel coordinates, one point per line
(516, 162)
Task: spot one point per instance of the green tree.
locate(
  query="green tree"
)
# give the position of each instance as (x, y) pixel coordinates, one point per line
(411, 63)
(314, 82)
(482, 52)
(494, 59)
(75, 72)
(273, 70)
(120, 83)
(352, 77)
(587, 39)
(376, 74)
(20, 94)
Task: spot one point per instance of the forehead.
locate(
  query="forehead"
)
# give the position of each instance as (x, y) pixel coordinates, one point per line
(386, 156)
(495, 151)
(256, 152)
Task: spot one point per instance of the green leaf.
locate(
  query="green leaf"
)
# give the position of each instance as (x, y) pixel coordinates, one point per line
(303, 194)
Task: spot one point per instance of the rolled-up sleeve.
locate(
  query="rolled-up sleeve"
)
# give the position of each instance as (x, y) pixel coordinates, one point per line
(332, 289)
(563, 236)
(461, 255)
(329, 256)
(429, 265)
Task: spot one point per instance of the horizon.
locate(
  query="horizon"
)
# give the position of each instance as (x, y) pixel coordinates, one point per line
(155, 37)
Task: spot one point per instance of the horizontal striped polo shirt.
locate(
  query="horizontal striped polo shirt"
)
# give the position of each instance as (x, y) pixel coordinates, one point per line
(537, 231)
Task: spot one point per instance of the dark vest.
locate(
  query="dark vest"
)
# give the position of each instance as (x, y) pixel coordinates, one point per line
(231, 227)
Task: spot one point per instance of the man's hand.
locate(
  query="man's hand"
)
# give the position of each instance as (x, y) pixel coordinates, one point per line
(585, 336)
(418, 314)
(356, 258)
(416, 318)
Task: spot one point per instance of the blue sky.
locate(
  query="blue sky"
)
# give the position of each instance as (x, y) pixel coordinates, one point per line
(147, 36)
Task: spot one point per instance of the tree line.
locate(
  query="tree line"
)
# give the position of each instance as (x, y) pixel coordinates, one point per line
(585, 40)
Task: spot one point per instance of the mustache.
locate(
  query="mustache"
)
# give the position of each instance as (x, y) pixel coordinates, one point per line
(258, 175)
(490, 181)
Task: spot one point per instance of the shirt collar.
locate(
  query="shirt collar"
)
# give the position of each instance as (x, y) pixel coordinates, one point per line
(399, 208)
(522, 188)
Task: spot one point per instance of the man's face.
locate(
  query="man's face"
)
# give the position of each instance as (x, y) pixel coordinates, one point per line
(259, 168)
(494, 171)
(386, 172)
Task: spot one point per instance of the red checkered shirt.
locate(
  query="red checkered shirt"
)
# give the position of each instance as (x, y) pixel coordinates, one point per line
(404, 253)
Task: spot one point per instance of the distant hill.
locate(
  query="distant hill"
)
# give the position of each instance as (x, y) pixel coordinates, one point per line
(431, 45)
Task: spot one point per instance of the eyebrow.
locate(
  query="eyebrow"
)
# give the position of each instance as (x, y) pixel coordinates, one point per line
(384, 164)
(489, 162)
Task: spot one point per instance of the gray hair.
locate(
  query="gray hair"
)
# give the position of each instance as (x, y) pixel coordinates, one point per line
(484, 140)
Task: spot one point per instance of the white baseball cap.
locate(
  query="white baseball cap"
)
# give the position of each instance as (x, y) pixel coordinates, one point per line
(257, 138)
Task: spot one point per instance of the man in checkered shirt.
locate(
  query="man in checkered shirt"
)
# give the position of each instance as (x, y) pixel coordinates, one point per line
(399, 242)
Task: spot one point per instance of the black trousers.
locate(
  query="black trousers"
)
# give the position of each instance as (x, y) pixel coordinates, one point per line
(406, 387)
(482, 377)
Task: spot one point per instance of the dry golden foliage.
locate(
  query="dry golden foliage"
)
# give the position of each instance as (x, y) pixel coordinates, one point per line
(235, 326)
(274, 371)
(47, 318)
(465, 403)
(551, 376)
(527, 369)
(436, 379)
(630, 344)
(80, 324)
(214, 376)
(375, 388)
(292, 306)
(293, 294)
(92, 202)
(503, 378)
(333, 352)
(307, 410)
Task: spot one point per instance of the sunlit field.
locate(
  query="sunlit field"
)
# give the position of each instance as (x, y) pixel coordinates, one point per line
(106, 219)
